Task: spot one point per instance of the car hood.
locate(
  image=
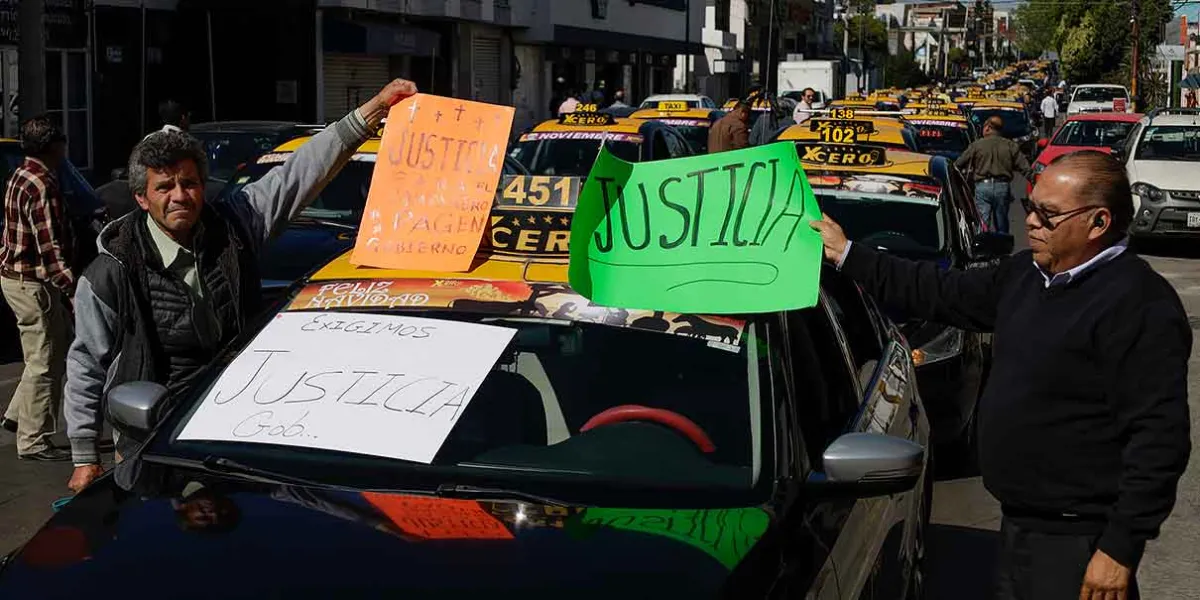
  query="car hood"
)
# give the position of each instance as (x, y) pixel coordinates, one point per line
(279, 541)
(1049, 153)
(303, 246)
(1079, 105)
(1164, 174)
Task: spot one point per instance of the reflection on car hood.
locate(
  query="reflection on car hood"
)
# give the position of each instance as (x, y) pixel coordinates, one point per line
(303, 246)
(276, 541)
(1164, 174)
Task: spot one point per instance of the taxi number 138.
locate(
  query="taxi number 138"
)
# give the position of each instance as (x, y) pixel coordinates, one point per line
(838, 135)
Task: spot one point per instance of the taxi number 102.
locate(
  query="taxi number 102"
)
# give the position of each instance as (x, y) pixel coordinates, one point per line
(539, 192)
(838, 135)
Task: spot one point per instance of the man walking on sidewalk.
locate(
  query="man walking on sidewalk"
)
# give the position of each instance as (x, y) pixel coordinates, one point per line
(1083, 425)
(1049, 113)
(37, 281)
(991, 161)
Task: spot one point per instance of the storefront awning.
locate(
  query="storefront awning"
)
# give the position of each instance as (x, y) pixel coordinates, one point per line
(566, 35)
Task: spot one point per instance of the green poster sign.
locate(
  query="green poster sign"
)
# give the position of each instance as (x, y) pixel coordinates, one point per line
(720, 233)
(725, 534)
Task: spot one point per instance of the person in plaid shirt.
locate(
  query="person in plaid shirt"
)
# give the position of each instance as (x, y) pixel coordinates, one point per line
(37, 281)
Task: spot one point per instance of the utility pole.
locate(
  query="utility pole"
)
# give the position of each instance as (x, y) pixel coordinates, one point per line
(1133, 67)
(768, 75)
(31, 68)
(846, 36)
(862, 58)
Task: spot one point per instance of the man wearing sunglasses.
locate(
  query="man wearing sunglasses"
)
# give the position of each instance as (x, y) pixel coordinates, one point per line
(1083, 424)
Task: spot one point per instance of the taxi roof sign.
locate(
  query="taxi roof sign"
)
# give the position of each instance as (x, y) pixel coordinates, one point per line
(586, 115)
(672, 106)
(841, 155)
(816, 124)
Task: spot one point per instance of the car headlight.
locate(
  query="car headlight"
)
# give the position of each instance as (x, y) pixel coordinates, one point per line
(944, 346)
(1148, 192)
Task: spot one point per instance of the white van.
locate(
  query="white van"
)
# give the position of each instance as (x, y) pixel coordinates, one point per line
(1099, 97)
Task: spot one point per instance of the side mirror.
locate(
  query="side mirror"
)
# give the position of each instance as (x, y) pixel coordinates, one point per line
(1043, 142)
(135, 407)
(872, 464)
(1118, 152)
(990, 244)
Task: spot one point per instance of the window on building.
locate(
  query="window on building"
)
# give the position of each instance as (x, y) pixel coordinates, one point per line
(722, 10)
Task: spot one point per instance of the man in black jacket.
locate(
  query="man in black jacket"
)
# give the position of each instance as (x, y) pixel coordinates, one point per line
(1083, 425)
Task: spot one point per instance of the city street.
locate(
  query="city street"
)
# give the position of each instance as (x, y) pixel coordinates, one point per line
(966, 519)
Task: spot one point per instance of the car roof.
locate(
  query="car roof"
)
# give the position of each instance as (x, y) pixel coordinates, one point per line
(1175, 119)
(1106, 116)
(691, 113)
(662, 97)
(989, 103)
(1099, 85)
(371, 146)
(621, 125)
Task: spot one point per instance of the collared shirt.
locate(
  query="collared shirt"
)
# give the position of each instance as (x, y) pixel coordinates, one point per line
(1049, 107)
(803, 111)
(182, 262)
(36, 230)
(1070, 275)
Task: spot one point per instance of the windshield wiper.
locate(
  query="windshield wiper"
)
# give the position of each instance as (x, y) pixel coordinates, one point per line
(226, 466)
(449, 490)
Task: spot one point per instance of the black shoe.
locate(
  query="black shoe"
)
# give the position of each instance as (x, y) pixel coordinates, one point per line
(48, 455)
(9, 424)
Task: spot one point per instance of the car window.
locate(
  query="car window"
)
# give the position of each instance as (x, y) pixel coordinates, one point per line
(966, 202)
(659, 149)
(1016, 122)
(1170, 143)
(864, 339)
(1093, 133)
(902, 215)
(827, 396)
(342, 200)
(570, 157)
(1098, 94)
(226, 150)
(676, 145)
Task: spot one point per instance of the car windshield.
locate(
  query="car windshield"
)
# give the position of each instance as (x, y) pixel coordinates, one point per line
(532, 424)
(890, 214)
(226, 150)
(697, 137)
(1098, 94)
(942, 139)
(1092, 133)
(568, 157)
(653, 102)
(1170, 142)
(342, 200)
(1016, 124)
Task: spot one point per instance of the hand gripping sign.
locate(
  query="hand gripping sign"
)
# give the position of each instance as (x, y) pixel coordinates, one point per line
(720, 233)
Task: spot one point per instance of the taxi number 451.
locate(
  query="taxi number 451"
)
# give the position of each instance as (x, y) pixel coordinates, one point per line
(539, 191)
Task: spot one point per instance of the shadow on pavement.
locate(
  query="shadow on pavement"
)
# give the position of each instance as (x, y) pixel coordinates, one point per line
(961, 562)
(1167, 248)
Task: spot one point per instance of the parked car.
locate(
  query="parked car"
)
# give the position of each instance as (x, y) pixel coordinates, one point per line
(1084, 131)
(1099, 97)
(1162, 159)
(608, 452)
(231, 144)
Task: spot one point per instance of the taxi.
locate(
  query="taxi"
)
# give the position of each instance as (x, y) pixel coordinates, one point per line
(567, 146)
(942, 131)
(758, 108)
(848, 126)
(693, 123)
(690, 100)
(1018, 125)
(328, 226)
(489, 432)
(918, 206)
(856, 101)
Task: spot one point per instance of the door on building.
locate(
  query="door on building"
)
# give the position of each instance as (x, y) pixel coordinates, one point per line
(8, 92)
(351, 80)
(69, 102)
(485, 69)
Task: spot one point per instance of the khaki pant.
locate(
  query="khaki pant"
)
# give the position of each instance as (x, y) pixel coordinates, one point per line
(45, 327)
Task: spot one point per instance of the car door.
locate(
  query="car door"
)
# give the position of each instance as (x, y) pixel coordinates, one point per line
(875, 546)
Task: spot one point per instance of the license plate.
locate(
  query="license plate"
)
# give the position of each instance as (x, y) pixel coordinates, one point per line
(1193, 219)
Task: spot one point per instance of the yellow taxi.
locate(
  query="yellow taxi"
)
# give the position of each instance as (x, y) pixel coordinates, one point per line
(567, 146)
(847, 126)
(942, 131)
(758, 108)
(693, 123)
(854, 101)
(1018, 126)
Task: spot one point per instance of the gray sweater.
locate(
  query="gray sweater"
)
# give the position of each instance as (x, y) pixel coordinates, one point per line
(263, 209)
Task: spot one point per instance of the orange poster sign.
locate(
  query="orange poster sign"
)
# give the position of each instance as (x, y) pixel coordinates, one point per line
(439, 518)
(433, 185)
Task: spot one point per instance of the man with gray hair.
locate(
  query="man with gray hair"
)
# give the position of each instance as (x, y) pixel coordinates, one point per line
(177, 280)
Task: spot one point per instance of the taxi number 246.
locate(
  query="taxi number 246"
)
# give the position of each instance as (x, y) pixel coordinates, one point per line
(540, 190)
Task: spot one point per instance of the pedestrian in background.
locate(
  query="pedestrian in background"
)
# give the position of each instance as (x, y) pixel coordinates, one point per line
(1083, 424)
(174, 116)
(37, 280)
(1049, 114)
(619, 99)
(178, 280)
(731, 132)
(991, 161)
(804, 108)
(569, 104)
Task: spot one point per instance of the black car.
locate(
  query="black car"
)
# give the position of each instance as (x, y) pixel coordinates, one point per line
(919, 206)
(607, 452)
(230, 145)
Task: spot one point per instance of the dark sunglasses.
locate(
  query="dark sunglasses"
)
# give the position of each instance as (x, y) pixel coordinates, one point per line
(1045, 217)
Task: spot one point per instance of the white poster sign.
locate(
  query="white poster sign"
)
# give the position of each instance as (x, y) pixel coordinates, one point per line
(382, 385)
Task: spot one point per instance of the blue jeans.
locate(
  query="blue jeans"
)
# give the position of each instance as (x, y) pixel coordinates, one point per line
(992, 199)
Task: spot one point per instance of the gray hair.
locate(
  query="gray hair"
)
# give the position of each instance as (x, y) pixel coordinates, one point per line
(163, 149)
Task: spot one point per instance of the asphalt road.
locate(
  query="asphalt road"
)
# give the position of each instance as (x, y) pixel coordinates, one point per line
(963, 539)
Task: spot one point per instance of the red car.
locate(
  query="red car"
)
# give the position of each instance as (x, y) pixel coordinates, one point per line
(1088, 131)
